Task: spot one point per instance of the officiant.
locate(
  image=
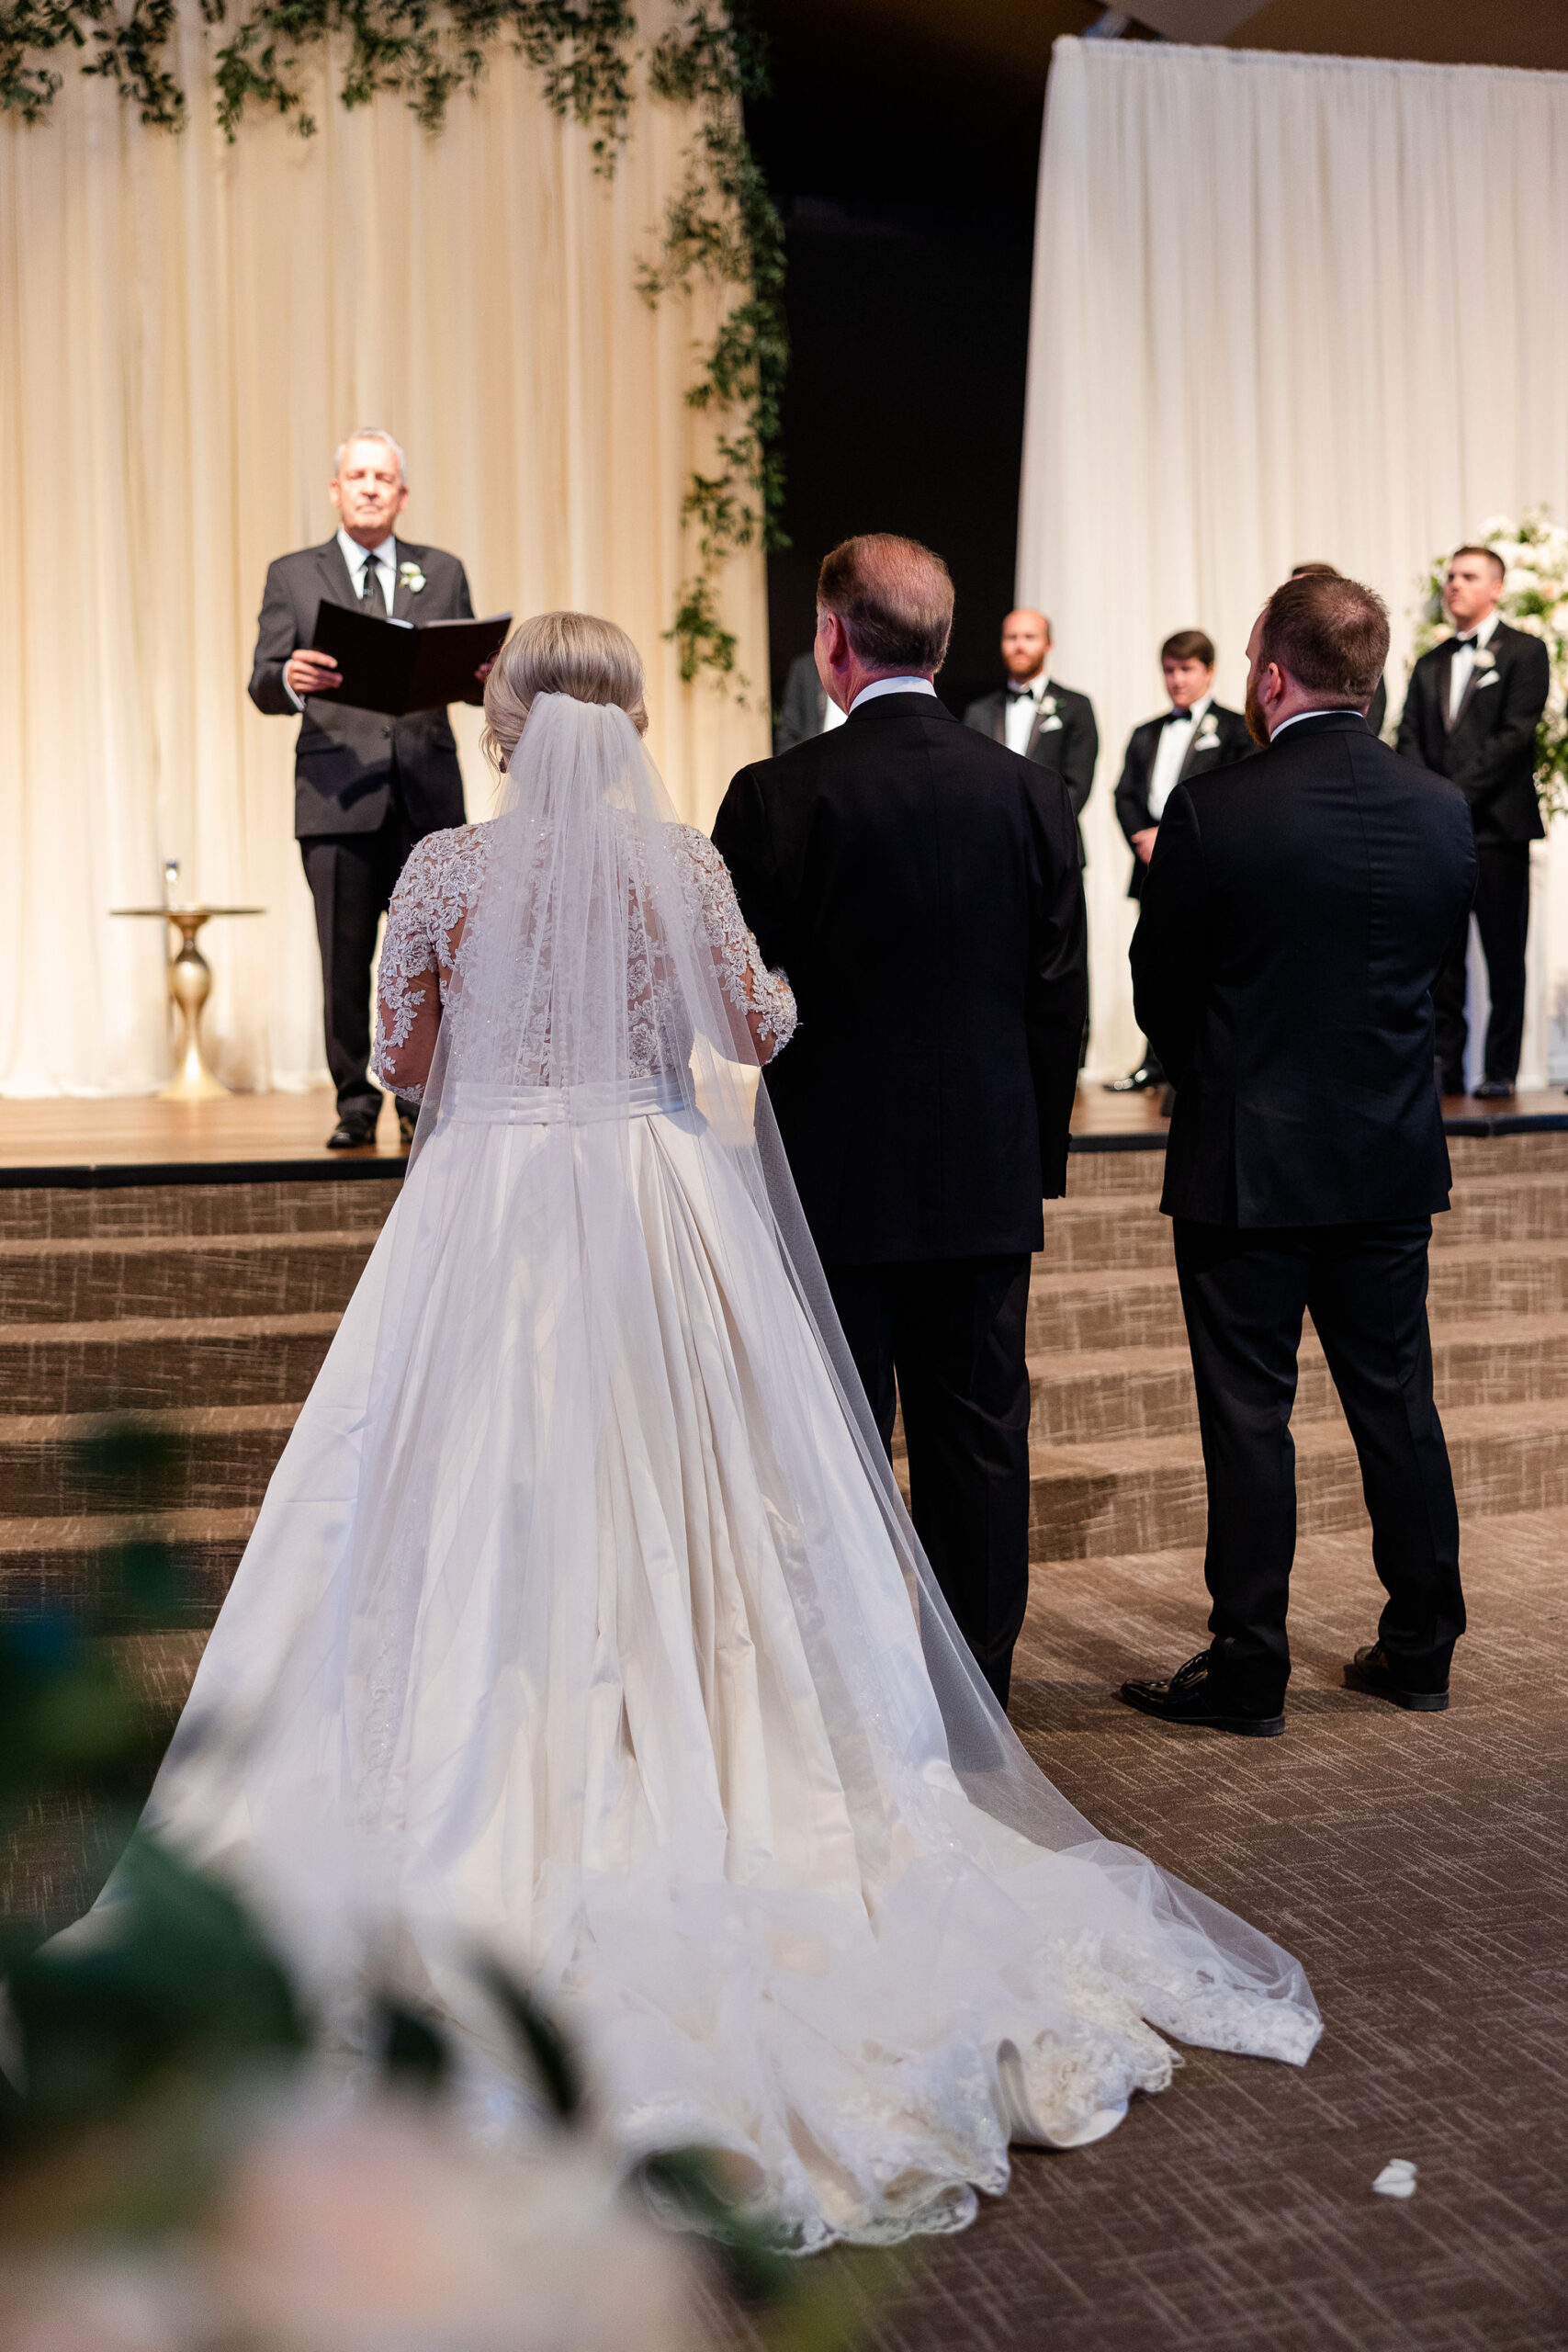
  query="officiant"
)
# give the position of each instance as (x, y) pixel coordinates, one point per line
(365, 787)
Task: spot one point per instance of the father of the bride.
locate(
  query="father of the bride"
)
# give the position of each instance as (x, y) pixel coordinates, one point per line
(920, 886)
(365, 787)
(1294, 917)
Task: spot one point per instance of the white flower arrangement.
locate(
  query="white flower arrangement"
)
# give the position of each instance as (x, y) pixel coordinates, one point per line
(1534, 552)
(412, 576)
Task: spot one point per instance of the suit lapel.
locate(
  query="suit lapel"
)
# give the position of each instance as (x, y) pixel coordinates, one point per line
(336, 579)
(402, 594)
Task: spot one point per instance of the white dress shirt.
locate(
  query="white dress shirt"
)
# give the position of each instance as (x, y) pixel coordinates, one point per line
(1176, 740)
(1463, 662)
(831, 715)
(892, 686)
(1020, 710)
(384, 558)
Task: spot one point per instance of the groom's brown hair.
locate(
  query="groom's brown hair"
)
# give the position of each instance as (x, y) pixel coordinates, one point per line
(894, 598)
(1330, 633)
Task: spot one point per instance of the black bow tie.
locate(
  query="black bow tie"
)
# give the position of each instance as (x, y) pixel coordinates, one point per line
(1460, 641)
(1179, 718)
(1017, 691)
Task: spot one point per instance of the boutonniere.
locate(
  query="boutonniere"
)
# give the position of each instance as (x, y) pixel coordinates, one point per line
(412, 576)
(1485, 658)
(1208, 734)
(1047, 705)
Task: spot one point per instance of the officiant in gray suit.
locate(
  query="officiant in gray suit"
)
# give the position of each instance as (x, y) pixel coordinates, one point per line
(365, 787)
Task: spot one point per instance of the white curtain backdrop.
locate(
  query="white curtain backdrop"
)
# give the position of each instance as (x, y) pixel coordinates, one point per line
(187, 330)
(1284, 308)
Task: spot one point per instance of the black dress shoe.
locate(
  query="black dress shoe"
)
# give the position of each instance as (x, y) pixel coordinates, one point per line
(353, 1131)
(1369, 1671)
(1138, 1081)
(1494, 1089)
(1190, 1696)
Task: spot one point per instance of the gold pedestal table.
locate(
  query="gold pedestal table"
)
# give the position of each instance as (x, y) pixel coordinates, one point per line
(190, 984)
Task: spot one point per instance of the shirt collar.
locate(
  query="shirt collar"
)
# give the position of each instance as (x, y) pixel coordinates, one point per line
(354, 554)
(892, 686)
(1033, 687)
(1334, 710)
(1487, 628)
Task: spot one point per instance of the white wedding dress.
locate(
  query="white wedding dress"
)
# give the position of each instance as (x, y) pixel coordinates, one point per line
(582, 1623)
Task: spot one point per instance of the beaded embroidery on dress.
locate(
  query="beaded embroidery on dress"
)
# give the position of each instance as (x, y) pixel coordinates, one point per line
(583, 1623)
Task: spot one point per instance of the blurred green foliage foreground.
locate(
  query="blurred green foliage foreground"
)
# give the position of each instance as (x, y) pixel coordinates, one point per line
(180, 2168)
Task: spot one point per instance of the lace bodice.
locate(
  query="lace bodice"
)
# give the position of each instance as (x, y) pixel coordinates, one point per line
(423, 950)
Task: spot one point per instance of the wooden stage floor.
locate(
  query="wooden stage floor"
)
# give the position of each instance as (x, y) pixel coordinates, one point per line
(135, 1139)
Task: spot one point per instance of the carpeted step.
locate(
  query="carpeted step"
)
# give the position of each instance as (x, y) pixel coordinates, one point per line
(1147, 1494)
(220, 1458)
(52, 1563)
(146, 1363)
(1120, 1231)
(1088, 1311)
(143, 1212)
(198, 1274)
(1147, 1392)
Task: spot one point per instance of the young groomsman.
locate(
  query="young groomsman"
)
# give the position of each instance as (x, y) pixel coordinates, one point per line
(1196, 733)
(1470, 714)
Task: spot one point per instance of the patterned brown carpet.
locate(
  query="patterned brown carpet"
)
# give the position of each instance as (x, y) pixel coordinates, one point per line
(1416, 1865)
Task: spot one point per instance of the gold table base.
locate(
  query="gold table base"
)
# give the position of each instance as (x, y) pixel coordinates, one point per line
(190, 985)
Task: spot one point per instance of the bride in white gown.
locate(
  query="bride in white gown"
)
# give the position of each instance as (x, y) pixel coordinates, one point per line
(582, 1623)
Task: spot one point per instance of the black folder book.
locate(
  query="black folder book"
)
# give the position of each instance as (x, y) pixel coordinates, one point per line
(401, 666)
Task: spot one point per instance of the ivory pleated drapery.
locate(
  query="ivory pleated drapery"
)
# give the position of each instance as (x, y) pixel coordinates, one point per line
(188, 328)
(1285, 308)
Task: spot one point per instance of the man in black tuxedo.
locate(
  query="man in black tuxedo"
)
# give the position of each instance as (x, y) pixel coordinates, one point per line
(365, 787)
(1194, 736)
(1294, 917)
(806, 710)
(1470, 712)
(1049, 724)
(920, 886)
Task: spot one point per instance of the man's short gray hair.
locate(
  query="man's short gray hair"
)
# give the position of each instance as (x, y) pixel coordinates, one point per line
(372, 432)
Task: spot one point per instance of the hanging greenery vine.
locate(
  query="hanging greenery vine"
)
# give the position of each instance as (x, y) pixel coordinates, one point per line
(720, 227)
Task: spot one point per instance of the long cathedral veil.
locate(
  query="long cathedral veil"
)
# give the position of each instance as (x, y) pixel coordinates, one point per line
(628, 1657)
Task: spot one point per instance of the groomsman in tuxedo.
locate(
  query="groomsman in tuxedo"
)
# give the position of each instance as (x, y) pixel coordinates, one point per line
(1194, 736)
(806, 710)
(920, 886)
(1049, 723)
(1470, 713)
(1294, 917)
(1377, 709)
(365, 787)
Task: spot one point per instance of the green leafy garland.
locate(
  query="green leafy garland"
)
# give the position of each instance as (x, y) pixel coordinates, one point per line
(720, 226)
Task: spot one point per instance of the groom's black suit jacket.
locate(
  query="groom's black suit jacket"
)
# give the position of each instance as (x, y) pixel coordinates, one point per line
(1489, 750)
(1294, 914)
(344, 760)
(1065, 739)
(920, 887)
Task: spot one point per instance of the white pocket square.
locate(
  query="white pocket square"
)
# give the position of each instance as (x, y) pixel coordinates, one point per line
(1489, 678)
(1047, 724)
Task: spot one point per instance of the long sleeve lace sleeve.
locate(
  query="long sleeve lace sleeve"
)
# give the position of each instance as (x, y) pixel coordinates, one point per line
(764, 1000)
(424, 925)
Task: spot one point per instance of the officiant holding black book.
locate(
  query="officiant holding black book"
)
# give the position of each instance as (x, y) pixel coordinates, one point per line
(366, 786)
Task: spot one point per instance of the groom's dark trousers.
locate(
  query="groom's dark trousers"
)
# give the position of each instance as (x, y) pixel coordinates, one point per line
(920, 887)
(1294, 916)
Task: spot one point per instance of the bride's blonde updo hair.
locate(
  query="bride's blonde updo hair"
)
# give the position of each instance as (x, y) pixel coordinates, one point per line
(560, 653)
